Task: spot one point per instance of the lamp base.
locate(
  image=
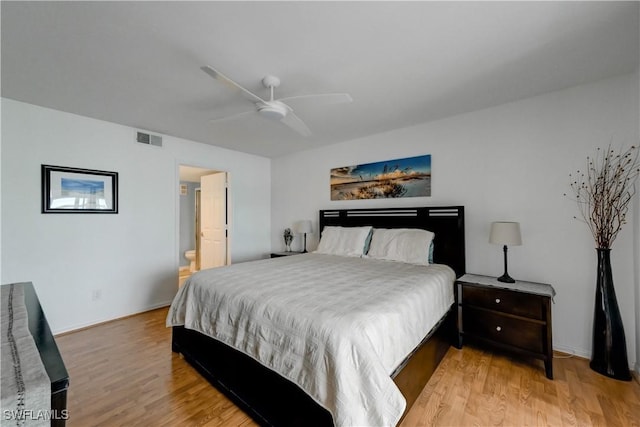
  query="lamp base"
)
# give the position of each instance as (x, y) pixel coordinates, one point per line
(505, 278)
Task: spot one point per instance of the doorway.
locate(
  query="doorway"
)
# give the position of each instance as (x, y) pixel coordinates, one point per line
(203, 220)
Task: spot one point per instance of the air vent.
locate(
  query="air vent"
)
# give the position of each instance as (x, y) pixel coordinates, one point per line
(145, 138)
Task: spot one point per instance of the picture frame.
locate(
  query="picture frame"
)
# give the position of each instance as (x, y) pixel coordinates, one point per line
(75, 190)
(397, 178)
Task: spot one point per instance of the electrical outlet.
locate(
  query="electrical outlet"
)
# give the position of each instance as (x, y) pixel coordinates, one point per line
(96, 294)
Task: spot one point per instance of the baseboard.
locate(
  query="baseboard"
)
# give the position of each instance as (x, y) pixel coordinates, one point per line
(80, 327)
(581, 353)
(565, 352)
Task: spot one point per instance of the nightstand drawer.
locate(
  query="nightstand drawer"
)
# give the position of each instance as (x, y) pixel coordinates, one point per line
(505, 301)
(523, 334)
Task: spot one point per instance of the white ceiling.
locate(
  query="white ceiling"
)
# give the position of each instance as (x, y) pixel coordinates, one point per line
(404, 63)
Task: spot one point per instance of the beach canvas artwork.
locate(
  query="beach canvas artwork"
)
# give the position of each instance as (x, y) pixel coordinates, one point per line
(408, 177)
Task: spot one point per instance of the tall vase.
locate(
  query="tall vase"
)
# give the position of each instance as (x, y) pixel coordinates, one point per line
(609, 353)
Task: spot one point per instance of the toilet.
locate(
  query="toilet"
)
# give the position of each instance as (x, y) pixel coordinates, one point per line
(191, 256)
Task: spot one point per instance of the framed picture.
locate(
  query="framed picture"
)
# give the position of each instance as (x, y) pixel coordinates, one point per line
(73, 190)
(408, 177)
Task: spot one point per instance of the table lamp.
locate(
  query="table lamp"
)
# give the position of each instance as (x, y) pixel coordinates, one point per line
(303, 227)
(505, 233)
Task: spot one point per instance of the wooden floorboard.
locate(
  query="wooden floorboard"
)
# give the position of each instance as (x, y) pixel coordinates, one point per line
(123, 373)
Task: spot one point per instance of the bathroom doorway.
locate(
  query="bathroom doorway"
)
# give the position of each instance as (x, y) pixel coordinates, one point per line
(203, 220)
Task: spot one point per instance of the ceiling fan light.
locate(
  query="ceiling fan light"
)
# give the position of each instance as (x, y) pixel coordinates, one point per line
(273, 110)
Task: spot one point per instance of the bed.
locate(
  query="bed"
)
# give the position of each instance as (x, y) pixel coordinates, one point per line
(370, 377)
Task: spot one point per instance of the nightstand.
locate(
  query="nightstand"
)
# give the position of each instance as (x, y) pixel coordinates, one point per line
(510, 316)
(279, 254)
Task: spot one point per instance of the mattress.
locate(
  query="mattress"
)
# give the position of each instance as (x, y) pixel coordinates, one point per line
(335, 326)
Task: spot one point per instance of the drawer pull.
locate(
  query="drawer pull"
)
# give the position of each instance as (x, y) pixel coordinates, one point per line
(497, 300)
(498, 328)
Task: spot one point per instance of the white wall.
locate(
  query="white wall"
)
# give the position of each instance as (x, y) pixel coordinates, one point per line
(0, 195)
(132, 257)
(637, 282)
(510, 162)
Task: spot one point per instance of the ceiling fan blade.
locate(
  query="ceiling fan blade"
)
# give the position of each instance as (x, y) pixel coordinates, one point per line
(230, 83)
(321, 99)
(232, 117)
(294, 122)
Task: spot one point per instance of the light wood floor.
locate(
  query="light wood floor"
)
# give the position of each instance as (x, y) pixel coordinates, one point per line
(123, 373)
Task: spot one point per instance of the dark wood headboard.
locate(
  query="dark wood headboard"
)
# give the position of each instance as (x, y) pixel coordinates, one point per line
(447, 222)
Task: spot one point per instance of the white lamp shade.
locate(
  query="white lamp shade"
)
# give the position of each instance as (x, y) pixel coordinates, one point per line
(302, 227)
(505, 233)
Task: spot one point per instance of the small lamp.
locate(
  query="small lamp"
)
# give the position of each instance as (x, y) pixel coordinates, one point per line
(505, 233)
(303, 227)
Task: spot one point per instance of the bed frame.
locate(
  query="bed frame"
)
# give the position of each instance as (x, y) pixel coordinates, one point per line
(272, 400)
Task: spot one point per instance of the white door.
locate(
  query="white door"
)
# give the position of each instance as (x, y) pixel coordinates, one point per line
(213, 221)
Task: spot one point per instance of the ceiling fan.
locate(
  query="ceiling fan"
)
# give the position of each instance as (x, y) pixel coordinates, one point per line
(276, 109)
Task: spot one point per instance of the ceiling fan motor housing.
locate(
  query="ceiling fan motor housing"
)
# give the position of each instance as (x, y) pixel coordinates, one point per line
(273, 110)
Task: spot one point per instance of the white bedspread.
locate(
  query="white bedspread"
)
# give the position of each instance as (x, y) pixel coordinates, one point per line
(336, 326)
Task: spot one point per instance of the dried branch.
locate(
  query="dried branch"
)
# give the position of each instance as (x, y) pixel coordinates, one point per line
(604, 191)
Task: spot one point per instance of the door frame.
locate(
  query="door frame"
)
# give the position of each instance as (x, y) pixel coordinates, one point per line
(197, 227)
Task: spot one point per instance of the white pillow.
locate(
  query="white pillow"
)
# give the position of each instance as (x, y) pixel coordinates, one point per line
(410, 245)
(345, 241)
